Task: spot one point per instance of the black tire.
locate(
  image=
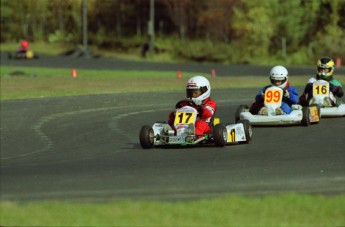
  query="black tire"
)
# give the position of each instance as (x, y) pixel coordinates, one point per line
(220, 135)
(248, 130)
(146, 137)
(305, 118)
(239, 110)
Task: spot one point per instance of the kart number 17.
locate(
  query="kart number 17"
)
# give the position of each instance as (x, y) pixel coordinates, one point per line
(184, 118)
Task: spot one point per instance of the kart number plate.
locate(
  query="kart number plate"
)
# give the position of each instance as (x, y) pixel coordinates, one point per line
(273, 96)
(184, 117)
(314, 114)
(232, 136)
(320, 89)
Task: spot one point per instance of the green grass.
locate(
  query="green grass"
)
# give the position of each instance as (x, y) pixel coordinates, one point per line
(48, 82)
(280, 210)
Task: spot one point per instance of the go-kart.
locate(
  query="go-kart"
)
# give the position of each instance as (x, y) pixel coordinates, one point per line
(273, 99)
(322, 95)
(161, 134)
(23, 55)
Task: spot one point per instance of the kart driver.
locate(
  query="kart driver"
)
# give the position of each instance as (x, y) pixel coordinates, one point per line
(325, 69)
(24, 46)
(198, 89)
(278, 78)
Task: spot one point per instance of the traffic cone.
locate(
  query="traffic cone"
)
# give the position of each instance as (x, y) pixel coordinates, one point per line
(74, 73)
(179, 74)
(338, 62)
(213, 73)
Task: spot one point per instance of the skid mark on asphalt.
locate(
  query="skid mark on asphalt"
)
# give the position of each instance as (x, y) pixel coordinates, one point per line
(114, 125)
(48, 142)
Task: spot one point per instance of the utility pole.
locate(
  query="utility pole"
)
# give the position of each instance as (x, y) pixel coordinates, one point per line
(284, 47)
(85, 25)
(151, 25)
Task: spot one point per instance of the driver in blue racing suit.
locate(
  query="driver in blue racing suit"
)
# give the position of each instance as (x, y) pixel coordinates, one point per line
(278, 78)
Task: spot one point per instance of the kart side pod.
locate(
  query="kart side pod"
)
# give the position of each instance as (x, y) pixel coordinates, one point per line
(236, 133)
(299, 115)
(240, 132)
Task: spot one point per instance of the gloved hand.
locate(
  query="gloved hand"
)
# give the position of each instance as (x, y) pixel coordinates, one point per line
(286, 94)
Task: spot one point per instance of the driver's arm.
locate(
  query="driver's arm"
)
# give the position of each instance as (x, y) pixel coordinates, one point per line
(208, 110)
(337, 90)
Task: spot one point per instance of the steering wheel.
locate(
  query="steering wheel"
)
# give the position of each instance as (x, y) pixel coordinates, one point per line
(186, 102)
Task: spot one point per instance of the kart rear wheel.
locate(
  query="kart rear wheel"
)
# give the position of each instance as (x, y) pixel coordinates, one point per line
(239, 110)
(305, 118)
(146, 137)
(220, 135)
(248, 130)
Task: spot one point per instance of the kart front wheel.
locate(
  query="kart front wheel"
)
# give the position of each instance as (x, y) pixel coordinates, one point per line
(248, 130)
(220, 135)
(146, 137)
(305, 117)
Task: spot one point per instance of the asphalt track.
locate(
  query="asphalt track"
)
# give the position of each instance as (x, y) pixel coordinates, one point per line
(86, 148)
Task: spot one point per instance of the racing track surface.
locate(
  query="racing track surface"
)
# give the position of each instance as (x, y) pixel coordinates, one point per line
(87, 148)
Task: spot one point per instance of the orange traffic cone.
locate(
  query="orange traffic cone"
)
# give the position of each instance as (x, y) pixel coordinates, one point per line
(74, 73)
(213, 73)
(179, 74)
(338, 62)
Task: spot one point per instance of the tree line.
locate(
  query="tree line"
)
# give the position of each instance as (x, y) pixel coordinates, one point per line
(245, 29)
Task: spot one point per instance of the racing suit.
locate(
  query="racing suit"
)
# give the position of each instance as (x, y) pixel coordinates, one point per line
(205, 113)
(334, 86)
(290, 97)
(23, 47)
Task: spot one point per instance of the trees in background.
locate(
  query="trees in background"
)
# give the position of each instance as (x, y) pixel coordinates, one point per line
(244, 30)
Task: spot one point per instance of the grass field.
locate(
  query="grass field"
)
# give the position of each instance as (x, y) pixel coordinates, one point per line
(41, 82)
(279, 210)
(290, 209)
(48, 82)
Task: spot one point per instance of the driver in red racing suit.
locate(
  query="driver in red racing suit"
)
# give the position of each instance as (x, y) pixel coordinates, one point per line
(24, 46)
(198, 89)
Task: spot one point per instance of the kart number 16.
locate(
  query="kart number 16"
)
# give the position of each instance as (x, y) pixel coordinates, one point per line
(320, 89)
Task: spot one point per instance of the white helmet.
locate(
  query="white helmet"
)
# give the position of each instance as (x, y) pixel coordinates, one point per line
(279, 73)
(198, 82)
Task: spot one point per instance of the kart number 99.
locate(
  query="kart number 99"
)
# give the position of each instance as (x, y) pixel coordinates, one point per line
(272, 96)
